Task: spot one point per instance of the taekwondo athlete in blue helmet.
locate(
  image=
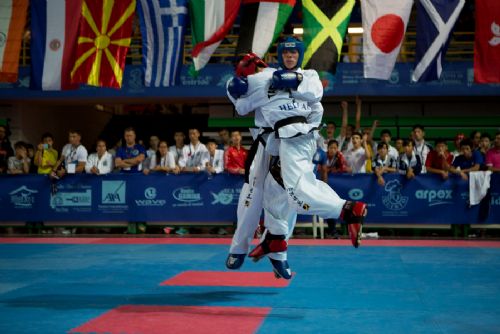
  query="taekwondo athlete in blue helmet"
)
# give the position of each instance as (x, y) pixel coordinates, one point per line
(289, 99)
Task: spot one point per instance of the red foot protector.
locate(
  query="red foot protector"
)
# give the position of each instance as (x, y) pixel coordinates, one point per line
(226, 278)
(176, 319)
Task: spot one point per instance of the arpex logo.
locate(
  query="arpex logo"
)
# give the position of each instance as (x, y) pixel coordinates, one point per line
(435, 197)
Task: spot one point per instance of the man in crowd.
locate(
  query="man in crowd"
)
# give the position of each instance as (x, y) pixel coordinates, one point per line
(46, 155)
(467, 161)
(236, 155)
(19, 163)
(224, 140)
(153, 148)
(73, 156)
(6, 150)
(192, 154)
(130, 156)
(409, 162)
(484, 147)
(101, 162)
(439, 160)
(385, 137)
(383, 162)
(178, 148)
(213, 162)
(357, 155)
(421, 147)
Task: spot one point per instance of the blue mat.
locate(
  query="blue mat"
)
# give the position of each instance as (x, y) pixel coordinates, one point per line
(54, 288)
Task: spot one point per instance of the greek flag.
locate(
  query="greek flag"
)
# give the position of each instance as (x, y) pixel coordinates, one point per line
(162, 27)
(435, 22)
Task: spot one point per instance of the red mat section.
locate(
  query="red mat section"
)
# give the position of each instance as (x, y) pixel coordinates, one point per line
(227, 241)
(226, 278)
(130, 319)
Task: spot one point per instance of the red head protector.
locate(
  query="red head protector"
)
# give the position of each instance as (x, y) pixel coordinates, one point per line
(248, 65)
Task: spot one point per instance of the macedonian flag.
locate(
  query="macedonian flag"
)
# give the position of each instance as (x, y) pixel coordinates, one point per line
(103, 42)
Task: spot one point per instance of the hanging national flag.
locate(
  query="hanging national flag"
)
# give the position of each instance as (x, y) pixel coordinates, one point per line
(163, 25)
(325, 25)
(12, 21)
(210, 22)
(261, 22)
(384, 26)
(435, 21)
(487, 45)
(54, 31)
(103, 42)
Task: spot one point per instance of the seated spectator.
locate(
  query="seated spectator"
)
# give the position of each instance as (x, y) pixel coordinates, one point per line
(334, 162)
(493, 155)
(409, 163)
(224, 140)
(383, 162)
(73, 156)
(458, 139)
(46, 155)
(467, 161)
(6, 150)
(130, 156)
(484, 147)
(154, 141)
(421, 147)
(439, 160)
(356, 156)
(166, 161)
(20, 162)
(192, 154)
(213, 162)
(101, 162)
(178, 148)
(236, 155)
(475, 137)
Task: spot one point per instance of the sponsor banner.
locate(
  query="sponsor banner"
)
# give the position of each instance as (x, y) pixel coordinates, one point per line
(457, 79)
(426, 199)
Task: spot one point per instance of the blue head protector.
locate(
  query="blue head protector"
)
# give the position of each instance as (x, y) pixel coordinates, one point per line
(291, 43)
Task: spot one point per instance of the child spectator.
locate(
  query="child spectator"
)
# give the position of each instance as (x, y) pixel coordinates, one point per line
(383, 162)
(20, 162)
(409, 163)
(213, 162)
(192, 154)
(484, 147)
(493, 155)
(236, 155)
(421, 147)
(46, 155)
(439, 160)
(178, 148)
(458, 139)
(101, 162)
(467, 161)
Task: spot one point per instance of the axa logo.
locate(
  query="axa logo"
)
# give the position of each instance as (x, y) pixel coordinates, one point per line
(394, 200)
(113, 192)
(495, 30)
(150, 198)
(435, 197)
(23, 197)
(186, 195)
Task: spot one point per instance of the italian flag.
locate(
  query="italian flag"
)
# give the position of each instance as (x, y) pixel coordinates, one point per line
(262, 21)
(210, 22)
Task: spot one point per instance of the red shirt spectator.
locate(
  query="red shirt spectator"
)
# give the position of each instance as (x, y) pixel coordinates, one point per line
(493, 155)
(236, 155)
(439, 160)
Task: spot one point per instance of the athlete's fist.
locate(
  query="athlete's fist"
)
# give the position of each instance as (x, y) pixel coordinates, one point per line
(237, 87)
(283, 79)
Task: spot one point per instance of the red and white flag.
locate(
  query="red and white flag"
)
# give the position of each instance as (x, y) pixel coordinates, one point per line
(487, 46)
(384, 26)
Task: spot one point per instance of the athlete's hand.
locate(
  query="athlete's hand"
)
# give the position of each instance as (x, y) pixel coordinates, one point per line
(283, 79)
(237, 87)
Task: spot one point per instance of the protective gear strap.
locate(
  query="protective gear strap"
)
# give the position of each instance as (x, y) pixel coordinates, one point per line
(253, 151)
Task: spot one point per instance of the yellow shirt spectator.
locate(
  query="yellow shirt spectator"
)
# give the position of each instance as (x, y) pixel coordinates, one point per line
(49, 159)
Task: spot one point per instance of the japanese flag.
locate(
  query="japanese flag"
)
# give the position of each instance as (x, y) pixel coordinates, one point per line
(384, 26)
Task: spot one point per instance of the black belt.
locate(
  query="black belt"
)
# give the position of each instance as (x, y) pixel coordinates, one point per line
(253, 151)
(287, 121)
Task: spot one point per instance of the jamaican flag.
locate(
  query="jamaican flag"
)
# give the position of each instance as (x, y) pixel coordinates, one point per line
(325, 24)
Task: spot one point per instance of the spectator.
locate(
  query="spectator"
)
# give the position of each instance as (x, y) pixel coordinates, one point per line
(224, 140)
(421, 147)
(398, 145)
(319, 160)
(356, 157)
(475, 137)
(153, 148)
(236, 155)
(493, 155)
(6, 150)
(330, 135)
(383, 162)
(73, 156)
(192, 154)
(166, 159)
(458, 139)
(409, 163)
(101, 162)
(369, 147)
(20, 162)
(213, 162)
(177, 150)
(467, 161)
(348, 129)
(385, 137)
(130, 156)
(46, 155)
(439, 160)
(484, 146)
(31, 154)
(334, 163)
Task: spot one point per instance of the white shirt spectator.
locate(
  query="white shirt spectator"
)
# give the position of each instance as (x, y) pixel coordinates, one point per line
(176, 152)
(74, 155)
(216, 161)
(103, 164)
(356, 160)
(392, 152)
(166, 161)
(422, 149)
(192, 155)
